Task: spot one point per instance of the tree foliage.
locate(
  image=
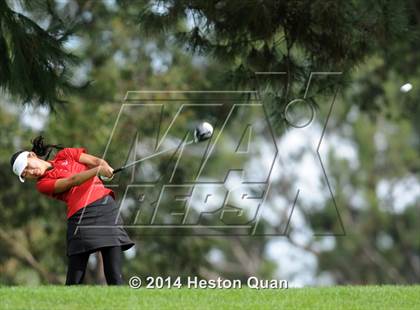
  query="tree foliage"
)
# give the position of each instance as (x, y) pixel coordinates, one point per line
(295, 36)
(34, 66)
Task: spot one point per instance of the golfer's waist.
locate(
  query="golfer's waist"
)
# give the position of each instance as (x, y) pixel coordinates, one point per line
(94, 200)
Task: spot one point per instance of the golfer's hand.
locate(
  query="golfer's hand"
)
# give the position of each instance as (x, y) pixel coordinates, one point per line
(105, 170)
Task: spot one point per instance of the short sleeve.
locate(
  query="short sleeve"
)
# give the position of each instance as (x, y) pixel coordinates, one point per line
(71, 152)
(46, 186)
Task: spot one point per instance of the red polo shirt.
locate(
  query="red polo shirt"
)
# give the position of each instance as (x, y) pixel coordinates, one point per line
(65, 164)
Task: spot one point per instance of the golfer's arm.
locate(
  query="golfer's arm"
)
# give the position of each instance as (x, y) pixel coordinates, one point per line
(64, 184)
(91, 161)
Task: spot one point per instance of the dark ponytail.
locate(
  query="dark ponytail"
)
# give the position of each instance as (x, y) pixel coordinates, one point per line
(41, 149)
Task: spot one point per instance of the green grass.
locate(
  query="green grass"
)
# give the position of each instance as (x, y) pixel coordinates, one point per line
(104, 297)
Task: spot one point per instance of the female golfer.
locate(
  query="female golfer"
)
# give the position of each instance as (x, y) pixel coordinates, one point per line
(72, 177)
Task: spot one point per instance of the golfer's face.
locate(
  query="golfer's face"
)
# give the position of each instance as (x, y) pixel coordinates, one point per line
(33, 169)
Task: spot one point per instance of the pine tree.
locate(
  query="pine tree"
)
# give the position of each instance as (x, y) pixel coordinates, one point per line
(34, 66)
(294, 36)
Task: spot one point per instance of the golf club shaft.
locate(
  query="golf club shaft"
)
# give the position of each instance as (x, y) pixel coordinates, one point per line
(148, 157)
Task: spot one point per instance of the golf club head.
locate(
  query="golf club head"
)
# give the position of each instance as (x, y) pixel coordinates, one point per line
(203, 132)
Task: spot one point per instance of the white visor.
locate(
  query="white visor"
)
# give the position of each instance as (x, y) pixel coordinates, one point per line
(20, 164)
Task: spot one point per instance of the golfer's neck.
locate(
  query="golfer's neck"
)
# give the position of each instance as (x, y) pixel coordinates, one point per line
(46, 165)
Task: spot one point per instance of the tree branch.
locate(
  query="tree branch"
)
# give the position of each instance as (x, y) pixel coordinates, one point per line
(19, 251)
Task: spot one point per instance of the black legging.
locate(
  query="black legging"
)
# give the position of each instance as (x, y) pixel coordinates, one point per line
(111, 257)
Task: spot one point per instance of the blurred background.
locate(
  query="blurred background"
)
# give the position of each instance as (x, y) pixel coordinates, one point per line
(348, 214)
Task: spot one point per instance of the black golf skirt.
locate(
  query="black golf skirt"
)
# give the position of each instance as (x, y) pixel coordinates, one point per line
(95, 226)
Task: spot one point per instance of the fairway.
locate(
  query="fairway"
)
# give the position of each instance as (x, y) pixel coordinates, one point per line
(103, 297)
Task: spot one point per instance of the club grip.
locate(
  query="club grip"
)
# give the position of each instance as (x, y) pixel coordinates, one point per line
(117, 170)
(105, 179)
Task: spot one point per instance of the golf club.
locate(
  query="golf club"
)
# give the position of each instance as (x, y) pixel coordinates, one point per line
(202, 132)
